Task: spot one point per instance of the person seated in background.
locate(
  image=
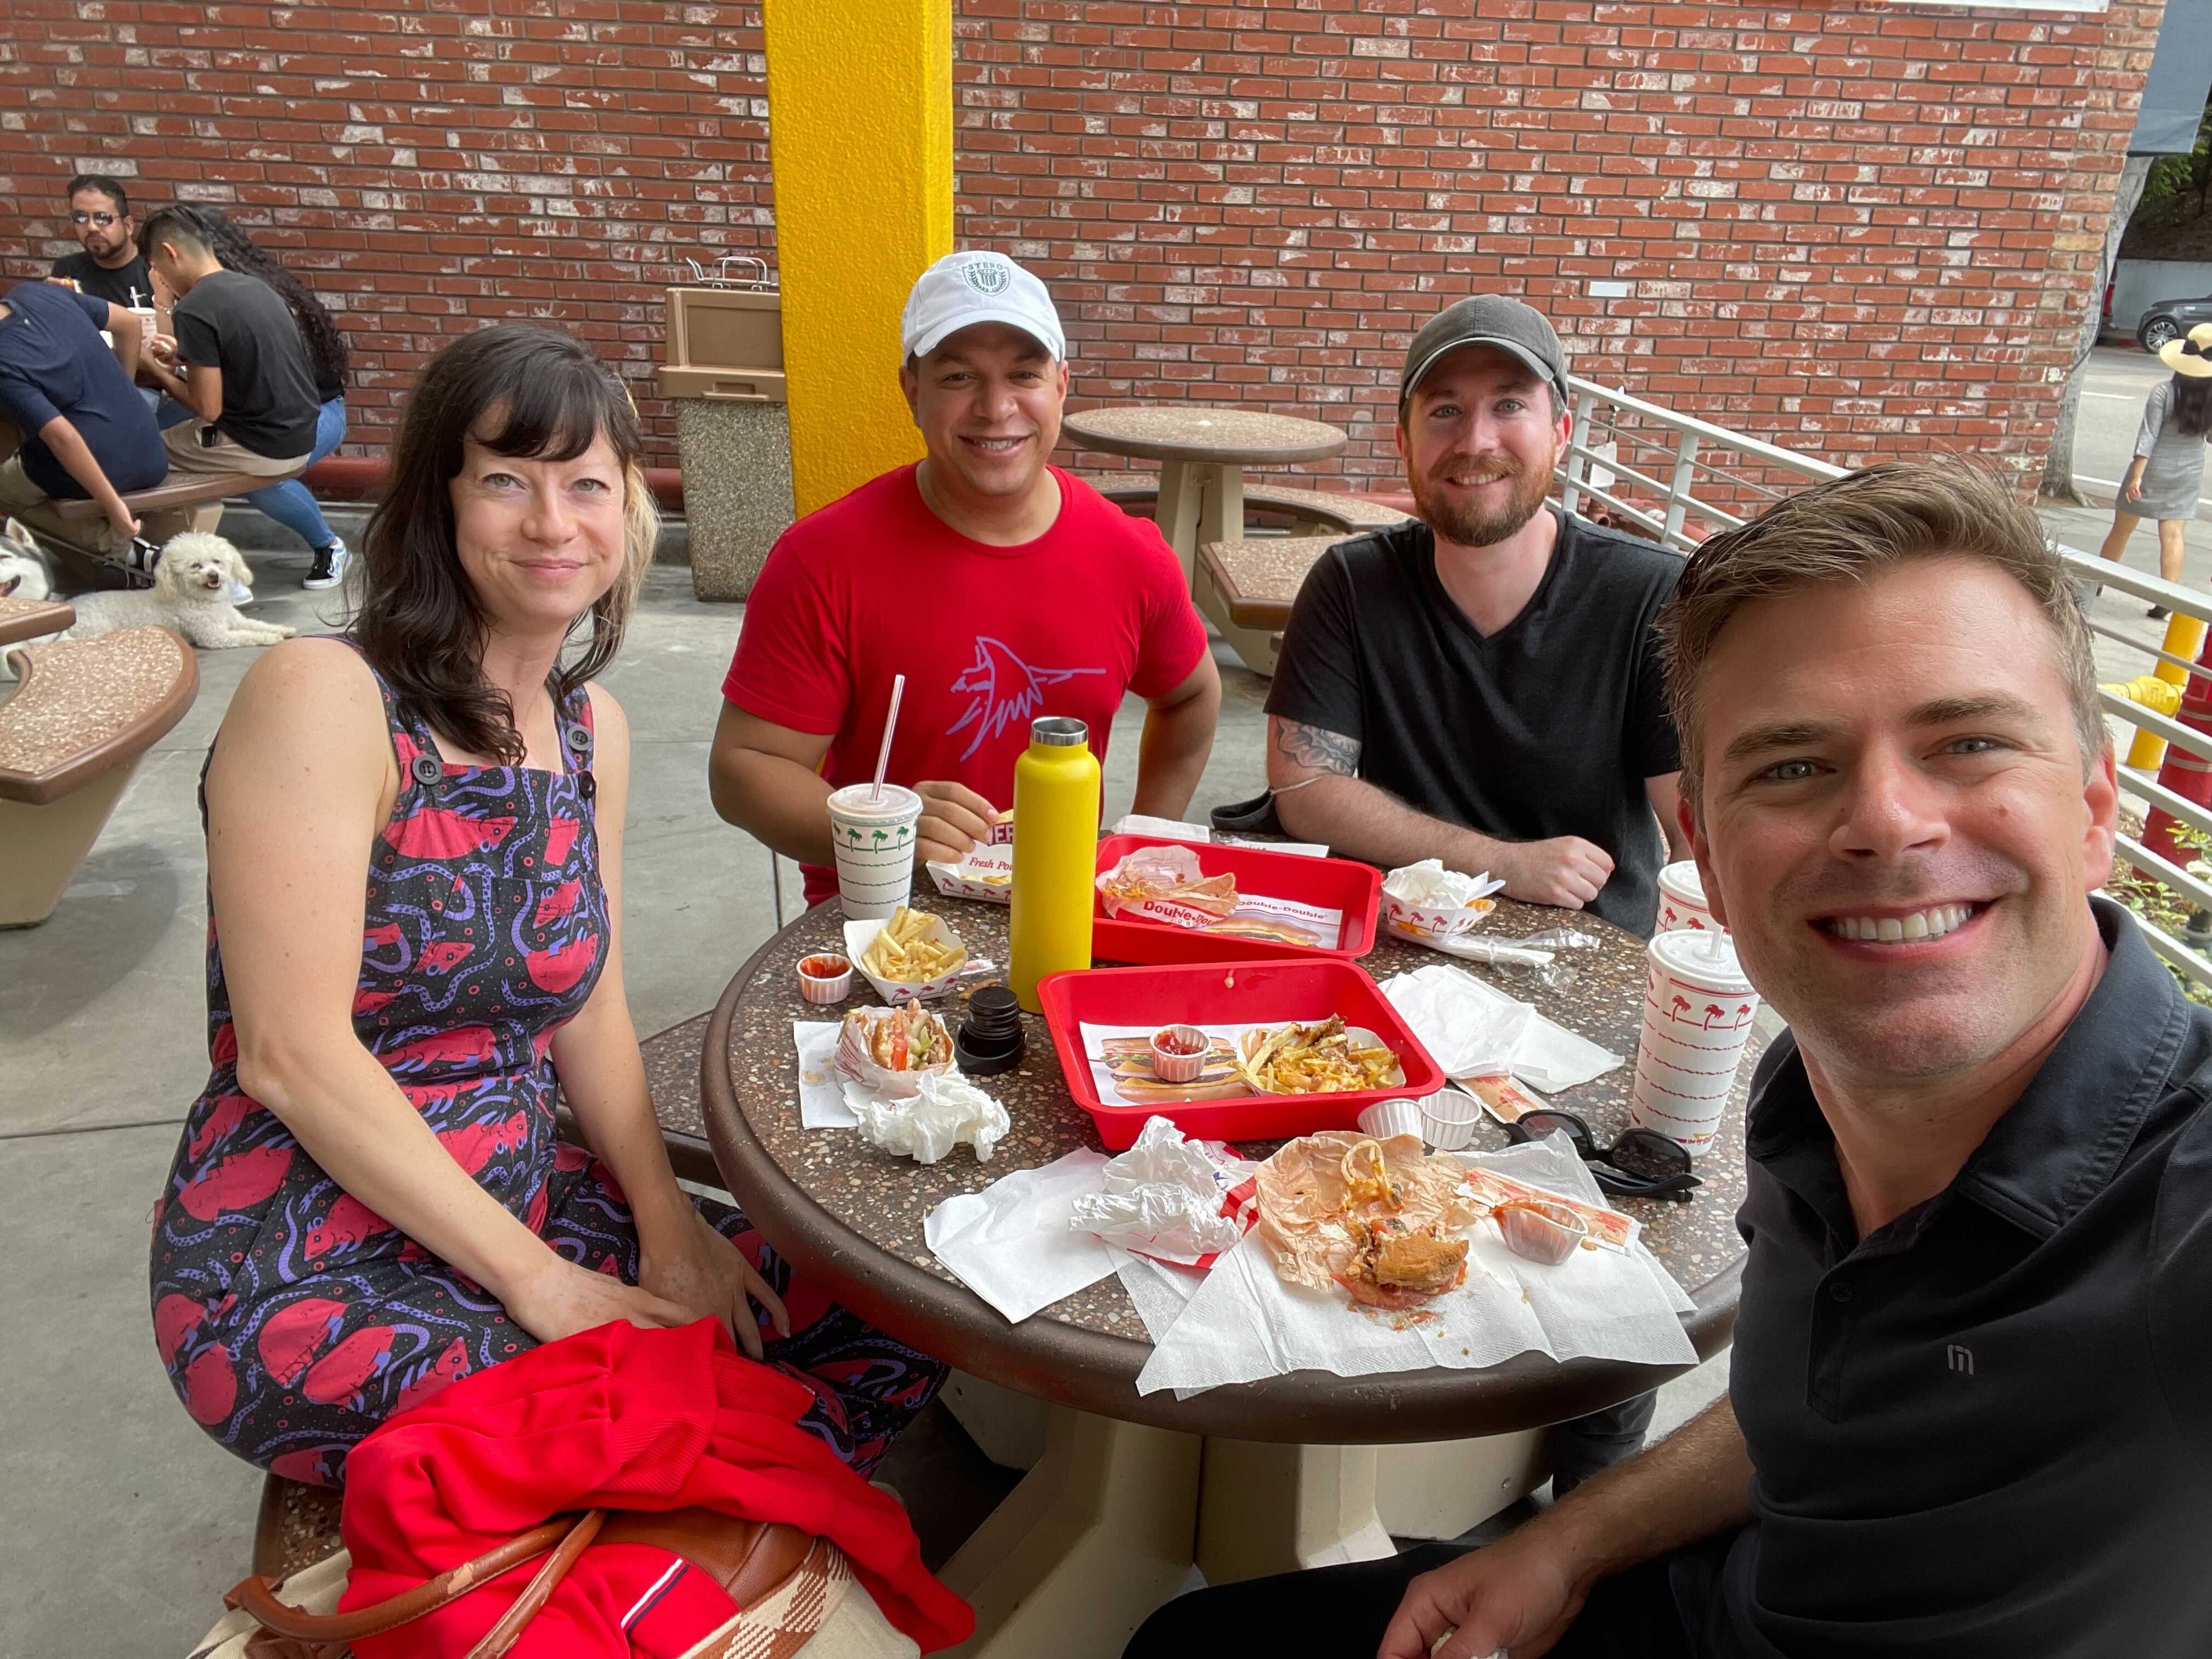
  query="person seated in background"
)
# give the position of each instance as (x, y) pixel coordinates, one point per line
(1966, 1415)
(415, 939)
(289, 502)
(1003, 588)
(86, 433)
(109, 267)
(248, 386)
(1482, 685)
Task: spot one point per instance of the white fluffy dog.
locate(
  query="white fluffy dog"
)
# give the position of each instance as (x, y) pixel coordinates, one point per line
(187, 595)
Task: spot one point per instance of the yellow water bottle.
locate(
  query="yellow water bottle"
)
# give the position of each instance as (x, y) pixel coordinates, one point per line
(1055, 854)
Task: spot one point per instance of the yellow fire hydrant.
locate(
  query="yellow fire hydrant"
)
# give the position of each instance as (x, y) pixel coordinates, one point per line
(2155, 694)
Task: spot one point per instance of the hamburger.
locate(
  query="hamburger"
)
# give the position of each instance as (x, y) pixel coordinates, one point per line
(1400, 1267)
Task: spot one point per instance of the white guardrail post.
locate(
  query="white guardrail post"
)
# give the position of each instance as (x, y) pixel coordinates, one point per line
(1651, 485)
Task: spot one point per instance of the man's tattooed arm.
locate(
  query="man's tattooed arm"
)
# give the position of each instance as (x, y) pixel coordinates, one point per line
(1317, 749)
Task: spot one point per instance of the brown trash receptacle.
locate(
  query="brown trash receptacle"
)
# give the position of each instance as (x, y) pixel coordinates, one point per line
(724, 371)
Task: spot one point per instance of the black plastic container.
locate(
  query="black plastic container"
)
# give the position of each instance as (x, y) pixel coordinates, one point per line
(990, 1041)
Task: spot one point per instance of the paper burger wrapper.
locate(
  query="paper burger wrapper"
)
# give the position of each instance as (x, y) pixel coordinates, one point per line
(859, 934)
(854, 1061)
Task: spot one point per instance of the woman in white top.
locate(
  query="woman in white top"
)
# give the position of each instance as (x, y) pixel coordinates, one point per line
(2163, 480)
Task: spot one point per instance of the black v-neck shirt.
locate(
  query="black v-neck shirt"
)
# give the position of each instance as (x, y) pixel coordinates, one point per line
(1984, 1431)
(1547, 727)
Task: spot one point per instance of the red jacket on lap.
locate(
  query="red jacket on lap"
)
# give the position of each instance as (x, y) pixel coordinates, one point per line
(623, 1419)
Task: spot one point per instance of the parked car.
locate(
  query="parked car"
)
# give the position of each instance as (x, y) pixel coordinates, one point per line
(2169, 320)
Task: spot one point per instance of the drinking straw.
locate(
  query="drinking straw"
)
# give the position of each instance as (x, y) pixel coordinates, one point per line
(891, 725)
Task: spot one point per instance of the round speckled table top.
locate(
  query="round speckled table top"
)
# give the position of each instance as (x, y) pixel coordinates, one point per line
(851, 1217)
(1197, 431)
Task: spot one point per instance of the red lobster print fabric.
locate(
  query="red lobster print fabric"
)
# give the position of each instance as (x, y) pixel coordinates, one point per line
(292, 1318)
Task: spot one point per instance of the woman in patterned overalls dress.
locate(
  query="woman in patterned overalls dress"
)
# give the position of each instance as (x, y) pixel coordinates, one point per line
(368, 1200)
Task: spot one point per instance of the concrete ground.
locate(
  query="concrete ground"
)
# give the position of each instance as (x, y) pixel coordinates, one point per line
(101, 1011)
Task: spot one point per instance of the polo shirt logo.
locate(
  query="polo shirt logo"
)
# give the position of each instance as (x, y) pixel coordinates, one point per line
(1961, 1359)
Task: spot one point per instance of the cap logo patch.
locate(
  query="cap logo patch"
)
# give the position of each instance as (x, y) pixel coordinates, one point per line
(986, 276)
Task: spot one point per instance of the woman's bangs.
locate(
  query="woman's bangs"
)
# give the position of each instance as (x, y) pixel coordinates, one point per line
(554, 414)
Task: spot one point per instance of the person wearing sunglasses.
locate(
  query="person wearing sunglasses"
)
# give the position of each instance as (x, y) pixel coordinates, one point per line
(1967, 1414)
(109, 267)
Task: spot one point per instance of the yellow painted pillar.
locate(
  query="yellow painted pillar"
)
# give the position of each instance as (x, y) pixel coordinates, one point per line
(860, 95)
(2185, 637)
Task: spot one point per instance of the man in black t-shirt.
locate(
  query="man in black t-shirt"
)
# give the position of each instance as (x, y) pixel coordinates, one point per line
(111, 267)
(1482, 685)
(247, 377)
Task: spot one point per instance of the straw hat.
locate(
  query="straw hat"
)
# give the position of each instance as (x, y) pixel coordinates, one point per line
(2192, 354)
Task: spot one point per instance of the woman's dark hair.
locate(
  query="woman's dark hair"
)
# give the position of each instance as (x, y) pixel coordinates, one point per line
(519, 390)
(2191, 413)
(326, 348)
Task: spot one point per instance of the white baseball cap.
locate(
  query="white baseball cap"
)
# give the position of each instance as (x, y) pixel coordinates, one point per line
(978, 286)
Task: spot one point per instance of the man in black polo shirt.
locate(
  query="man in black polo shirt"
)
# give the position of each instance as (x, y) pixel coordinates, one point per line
(111, 267)
(1967, 1414)
(1481, 685)
(247, 378)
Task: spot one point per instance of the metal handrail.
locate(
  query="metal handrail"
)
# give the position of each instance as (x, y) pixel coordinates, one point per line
(1664, 507)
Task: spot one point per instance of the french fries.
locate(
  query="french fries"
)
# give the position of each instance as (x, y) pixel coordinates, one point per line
(906, 951)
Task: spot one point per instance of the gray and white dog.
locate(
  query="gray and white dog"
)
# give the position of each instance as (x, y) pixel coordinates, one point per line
(24, 574)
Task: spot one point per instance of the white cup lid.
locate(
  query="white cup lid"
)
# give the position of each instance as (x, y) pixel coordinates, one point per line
(1683, 881)
(1702, 957)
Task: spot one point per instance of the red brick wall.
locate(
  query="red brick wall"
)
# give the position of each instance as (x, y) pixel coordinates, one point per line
(425, 167)
(1858, 227)
(1854, 228)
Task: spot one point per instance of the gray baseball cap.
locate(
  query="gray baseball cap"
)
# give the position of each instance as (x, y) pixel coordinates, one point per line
(1490, 319)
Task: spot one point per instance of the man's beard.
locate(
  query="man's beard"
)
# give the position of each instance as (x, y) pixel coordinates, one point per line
(1469, 527)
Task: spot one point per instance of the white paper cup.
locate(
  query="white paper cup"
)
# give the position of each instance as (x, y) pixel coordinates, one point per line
(1425, 923)
(874, 842)
(1386, 1118)
(1698, 1010)
(1448, 1120)
(1682, 901)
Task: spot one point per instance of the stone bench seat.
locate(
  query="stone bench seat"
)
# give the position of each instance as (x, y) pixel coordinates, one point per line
(1308, 510)
(1258, 577)
(178, 492)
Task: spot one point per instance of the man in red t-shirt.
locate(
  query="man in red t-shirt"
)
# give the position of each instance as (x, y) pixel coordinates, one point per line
(1003, 588)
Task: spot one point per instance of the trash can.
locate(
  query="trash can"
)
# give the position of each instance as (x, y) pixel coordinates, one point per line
(724, 371)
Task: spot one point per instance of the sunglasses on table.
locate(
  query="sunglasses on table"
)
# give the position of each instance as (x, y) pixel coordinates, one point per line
(103, 219)
(1642, 1163)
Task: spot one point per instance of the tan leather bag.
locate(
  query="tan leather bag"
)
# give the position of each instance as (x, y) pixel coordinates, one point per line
(766, 1567)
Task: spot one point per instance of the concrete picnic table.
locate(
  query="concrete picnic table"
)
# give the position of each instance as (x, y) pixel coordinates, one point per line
(1119, 1505)
(1202, 451)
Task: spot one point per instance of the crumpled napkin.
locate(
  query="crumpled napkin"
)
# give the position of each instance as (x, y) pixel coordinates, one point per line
(1012, 1245)
(946, 1110)
(1163, 1197)
(1430, 884)
(1241, 1321)
(1470, 1028)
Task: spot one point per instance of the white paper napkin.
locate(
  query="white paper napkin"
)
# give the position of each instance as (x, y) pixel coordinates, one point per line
(821, 1101)
(1136, 824)
(1011, 1243)
(1244, 1322)
(1469, 1027)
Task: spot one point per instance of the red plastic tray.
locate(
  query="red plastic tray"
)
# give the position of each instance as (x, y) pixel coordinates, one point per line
(1333, 883)
(1208, 993)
